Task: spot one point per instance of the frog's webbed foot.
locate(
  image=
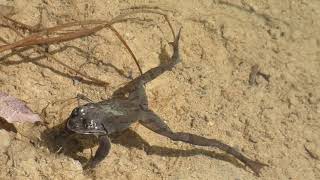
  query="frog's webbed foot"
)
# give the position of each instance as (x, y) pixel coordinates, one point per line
(101, 153)
(153, 122)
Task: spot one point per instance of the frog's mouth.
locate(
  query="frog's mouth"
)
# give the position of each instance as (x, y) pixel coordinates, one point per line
(78, 126)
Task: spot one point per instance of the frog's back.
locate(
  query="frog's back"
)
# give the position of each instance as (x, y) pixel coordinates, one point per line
(119, 114)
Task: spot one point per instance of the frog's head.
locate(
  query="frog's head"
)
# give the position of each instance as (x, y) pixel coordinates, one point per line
(86, 119)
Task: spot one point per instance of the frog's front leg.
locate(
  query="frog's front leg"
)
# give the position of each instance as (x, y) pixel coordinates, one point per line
(102, 151)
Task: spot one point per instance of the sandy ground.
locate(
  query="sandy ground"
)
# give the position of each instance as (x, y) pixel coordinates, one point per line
(276, 122)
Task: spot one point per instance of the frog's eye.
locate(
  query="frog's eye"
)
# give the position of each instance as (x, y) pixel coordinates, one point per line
(78, 111)
(75, 112)
(82, 112)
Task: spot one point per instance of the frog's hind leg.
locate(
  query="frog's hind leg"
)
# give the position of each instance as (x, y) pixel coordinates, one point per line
(151, 121)
(139, 95)
(153, 73)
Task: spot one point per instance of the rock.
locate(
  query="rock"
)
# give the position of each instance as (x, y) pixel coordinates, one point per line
(7, 10)
(5, 140)
(313, 150)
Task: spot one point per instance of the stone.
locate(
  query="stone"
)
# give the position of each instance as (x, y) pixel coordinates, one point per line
(5, 140)
(313, 150)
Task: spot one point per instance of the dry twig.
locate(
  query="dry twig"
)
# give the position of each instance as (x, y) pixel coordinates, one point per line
(54, 35)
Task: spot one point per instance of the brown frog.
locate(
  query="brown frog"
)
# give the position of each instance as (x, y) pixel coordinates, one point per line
(129, 104)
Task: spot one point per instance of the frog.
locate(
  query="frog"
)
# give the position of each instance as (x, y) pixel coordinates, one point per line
(129, 105)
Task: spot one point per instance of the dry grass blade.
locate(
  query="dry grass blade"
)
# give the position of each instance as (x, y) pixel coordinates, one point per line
(19, 24)
(40, 40)
(93, 80)
(42, 36)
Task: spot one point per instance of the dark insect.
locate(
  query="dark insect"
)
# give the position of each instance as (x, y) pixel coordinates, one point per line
(120, 111)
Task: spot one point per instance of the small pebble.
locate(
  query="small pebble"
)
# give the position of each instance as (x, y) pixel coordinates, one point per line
(4, 140)
(313, 150)
(228, 133)
(210, 123)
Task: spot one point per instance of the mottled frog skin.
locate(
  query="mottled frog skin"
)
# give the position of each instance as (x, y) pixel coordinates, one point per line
(104, 118)
(129, 104)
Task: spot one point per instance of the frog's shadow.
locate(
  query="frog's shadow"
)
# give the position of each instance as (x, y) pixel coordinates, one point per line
(58, 141)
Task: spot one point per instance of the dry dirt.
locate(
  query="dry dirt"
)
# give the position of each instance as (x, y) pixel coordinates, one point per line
(276, 122)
